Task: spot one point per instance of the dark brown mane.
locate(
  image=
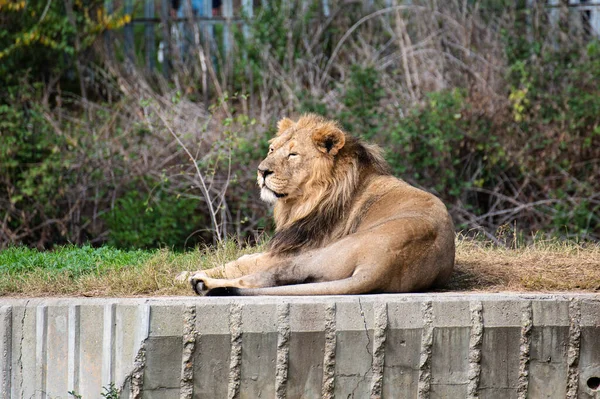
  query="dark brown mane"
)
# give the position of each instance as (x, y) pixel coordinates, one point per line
(369, 156)
(356, 157)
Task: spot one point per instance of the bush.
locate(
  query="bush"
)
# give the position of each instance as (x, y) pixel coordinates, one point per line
(156, 219)
(500, 120)
(559, 99)
(34, 168)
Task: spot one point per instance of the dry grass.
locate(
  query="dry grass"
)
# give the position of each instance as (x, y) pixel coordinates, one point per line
(542, 266)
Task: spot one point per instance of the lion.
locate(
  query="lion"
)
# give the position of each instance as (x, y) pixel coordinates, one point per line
(344, 224)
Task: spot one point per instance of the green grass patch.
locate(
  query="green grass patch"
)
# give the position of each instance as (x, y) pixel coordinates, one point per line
(70, 259)
(106, 271)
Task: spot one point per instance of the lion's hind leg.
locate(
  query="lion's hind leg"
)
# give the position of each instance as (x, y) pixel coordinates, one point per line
(347, 286)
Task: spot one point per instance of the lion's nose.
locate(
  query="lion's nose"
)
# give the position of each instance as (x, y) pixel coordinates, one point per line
(264, 171)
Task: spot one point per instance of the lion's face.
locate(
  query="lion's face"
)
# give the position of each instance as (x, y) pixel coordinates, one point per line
(300, 156)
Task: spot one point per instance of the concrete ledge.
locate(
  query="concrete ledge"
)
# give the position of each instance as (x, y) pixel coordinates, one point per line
(393, 346)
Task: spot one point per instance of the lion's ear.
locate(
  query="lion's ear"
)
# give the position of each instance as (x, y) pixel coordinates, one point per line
(284, 125)
(329, 139)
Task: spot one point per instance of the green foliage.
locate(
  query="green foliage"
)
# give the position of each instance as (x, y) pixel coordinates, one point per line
(363, 112)
(42, 39)
(432, 145)
(156, 219)
(41, 43)
(28, 39)
(34, 161)
(426, 143)
(278, 26)
(428, 146)
(68, 170)
(245, 145)
(75, 395)
(308, 103)
(555, 97)
(30, 153)
(110, 392)
(277, 39)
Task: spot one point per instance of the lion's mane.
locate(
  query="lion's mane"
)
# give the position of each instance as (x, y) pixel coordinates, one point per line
(313, 219)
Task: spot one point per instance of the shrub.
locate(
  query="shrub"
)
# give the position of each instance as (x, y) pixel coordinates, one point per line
(499, 119)
(34, 162)
(155, 219)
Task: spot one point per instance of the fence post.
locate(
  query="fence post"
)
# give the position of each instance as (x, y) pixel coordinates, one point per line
(208, 33)
(563, 19)
(149, 33)
(326, 11)
(108, 47)
(128, 32)
(227, 9)
(595, 21)
(165, 16)
(207, 27)
(248, 13)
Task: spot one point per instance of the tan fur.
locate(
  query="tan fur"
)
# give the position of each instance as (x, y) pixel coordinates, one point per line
(344, 225)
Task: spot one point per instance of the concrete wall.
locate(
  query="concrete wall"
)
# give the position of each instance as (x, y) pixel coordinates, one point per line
(392, 346)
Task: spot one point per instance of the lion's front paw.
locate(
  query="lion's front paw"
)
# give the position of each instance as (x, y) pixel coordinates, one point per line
(198, 284)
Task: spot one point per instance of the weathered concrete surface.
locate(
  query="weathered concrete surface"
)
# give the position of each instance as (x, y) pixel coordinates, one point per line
(392, 346)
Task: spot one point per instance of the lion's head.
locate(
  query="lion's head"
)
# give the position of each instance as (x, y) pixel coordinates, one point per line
(311, 174)
(298, 158)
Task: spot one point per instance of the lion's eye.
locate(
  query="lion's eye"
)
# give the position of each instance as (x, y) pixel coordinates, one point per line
(292, 154)
(270, 150)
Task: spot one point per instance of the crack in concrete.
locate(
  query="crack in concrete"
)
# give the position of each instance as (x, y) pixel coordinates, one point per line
(368, 347)
(162, 388)
(450, 384)
(20, 361)
(362, 313)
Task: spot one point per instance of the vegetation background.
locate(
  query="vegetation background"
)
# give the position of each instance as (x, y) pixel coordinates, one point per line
(483, 102)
